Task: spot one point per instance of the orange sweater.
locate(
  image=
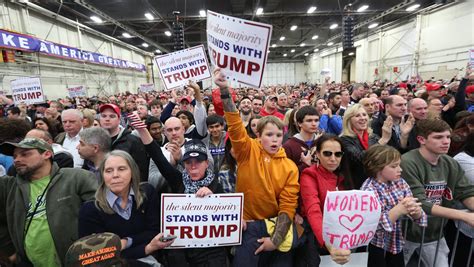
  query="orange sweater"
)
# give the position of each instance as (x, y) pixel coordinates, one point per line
(269, 182)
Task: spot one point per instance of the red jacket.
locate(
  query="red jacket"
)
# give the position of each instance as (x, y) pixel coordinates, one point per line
(315, 181)
(277, 114)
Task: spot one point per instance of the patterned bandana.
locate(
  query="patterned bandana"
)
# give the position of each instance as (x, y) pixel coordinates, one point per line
(191, 187)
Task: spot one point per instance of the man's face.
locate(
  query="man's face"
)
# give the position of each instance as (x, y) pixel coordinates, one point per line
(257, 106)
(310, 124)
(28, 161)
(359, 92)
(72, 124)
(345, 96)
(174, 130)
(384, 94)
(156, 111)
(320, 105)
(419, 109)
(109, 120)
(436, 105)
(142, 112)
(215, 130)
(336, 101)
(403, 93)
(368, 105)
(130, 106)
(155, 130)
(436, 143)
(398, 108)
(271, 103)
(184, 105)
(283, 101)
(304, 102)
(10, 115)
(184, 120)
(435, 93)
(245, 106)
(85, 150)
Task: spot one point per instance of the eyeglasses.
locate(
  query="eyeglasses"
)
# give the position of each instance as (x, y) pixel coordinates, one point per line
(330, 153)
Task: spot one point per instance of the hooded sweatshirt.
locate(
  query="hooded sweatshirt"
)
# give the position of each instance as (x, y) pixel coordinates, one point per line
(269, 182)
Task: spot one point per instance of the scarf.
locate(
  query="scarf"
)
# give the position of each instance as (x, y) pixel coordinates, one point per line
(364, 139)
(191, 187)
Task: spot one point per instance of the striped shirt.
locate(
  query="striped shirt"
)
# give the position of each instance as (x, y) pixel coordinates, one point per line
(389, 236)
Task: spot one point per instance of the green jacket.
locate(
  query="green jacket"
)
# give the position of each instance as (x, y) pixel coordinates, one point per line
(69, 188)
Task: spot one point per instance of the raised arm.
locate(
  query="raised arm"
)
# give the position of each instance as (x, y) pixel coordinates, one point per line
(199, 111)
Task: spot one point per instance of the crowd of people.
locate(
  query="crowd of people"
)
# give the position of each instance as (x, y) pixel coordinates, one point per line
(73, 169)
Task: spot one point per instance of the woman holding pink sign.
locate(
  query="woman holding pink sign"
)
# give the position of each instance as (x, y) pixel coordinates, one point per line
(315, 182)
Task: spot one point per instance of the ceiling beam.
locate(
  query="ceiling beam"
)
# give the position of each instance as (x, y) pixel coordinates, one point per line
(121, 25)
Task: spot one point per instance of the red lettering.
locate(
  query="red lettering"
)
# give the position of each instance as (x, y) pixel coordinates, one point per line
(344, 203)
(374, 203)
(185, 75)
(203, 234)
(195, 72)
(216, 231)
(363, 206)
(239, 67)
(344, 240)
(169, 78)
(171, 229)
(332, 236)
(331, 206)
(203, 69)
(176, 77)
(230, 229)
(38, 94)
(186, 230)
(353, 199)
(252, 67)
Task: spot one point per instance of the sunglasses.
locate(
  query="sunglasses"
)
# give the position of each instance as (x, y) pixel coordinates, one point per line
(330, 153)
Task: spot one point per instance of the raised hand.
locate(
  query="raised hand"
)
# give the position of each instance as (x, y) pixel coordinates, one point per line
(406, 125)
(135, 121)
(220, 79)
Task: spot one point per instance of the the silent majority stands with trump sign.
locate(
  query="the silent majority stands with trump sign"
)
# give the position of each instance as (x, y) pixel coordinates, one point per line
(210, 221)
(27, 90)
(350, 218)
(178, 68)
(238, 46)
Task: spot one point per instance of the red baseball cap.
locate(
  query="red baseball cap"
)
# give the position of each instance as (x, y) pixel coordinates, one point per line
(470, 89)
(187, 98)
(114, 107)
(432, 87)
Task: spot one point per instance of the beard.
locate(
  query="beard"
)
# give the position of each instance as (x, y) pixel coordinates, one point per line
(246, 111)
(28, 171)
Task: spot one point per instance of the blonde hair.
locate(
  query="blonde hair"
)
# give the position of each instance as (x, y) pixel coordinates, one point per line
(269, 120)
(89, 115)
(346, 122)
(101, 193)
(287, 118)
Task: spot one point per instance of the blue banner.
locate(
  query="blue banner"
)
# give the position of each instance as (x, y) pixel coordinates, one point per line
(17, 41)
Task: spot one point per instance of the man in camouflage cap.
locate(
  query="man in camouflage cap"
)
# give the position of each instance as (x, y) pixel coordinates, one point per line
(39, 206)
(95, 250)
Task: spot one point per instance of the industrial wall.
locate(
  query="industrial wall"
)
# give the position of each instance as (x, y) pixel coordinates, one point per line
(431, 44)
(58, 74)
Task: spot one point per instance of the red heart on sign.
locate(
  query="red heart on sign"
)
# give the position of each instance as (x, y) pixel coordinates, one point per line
(352, 223)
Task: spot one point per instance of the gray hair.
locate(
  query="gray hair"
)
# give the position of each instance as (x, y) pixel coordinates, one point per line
(97, 136)
(101, 193)
(76, 112)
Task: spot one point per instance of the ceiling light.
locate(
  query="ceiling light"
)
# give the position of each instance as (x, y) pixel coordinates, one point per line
(306, 54)
(333, 26)
(294, 27)
(302, 44)
(311, 9)
(285, 55)
(362, 8)
(373, 25)
(413, 7)
(149, 16)
(351, 53)
(315, 50)
(96, 19)
(145, 45)
(167, 33)
(274, 45)
(330, 43)
(202, 13)
(282, 38)
(126, 35)
(314, 37)
(259, 11)
(292, 50)
(158, 51)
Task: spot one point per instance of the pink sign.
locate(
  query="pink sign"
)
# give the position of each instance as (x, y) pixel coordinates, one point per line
(350, 218)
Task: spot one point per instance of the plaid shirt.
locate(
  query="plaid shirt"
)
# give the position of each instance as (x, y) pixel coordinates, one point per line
(389, 236)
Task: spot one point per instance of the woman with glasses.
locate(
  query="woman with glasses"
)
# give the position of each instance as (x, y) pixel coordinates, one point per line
(357, 137)
(315, 182)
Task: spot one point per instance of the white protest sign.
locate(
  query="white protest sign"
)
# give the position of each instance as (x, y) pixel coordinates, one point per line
(326, 72)
(350, 218)
(27, 90)
(177, 68)
(147, 87)
(211, 221)
(77, 91)
(238, 46)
